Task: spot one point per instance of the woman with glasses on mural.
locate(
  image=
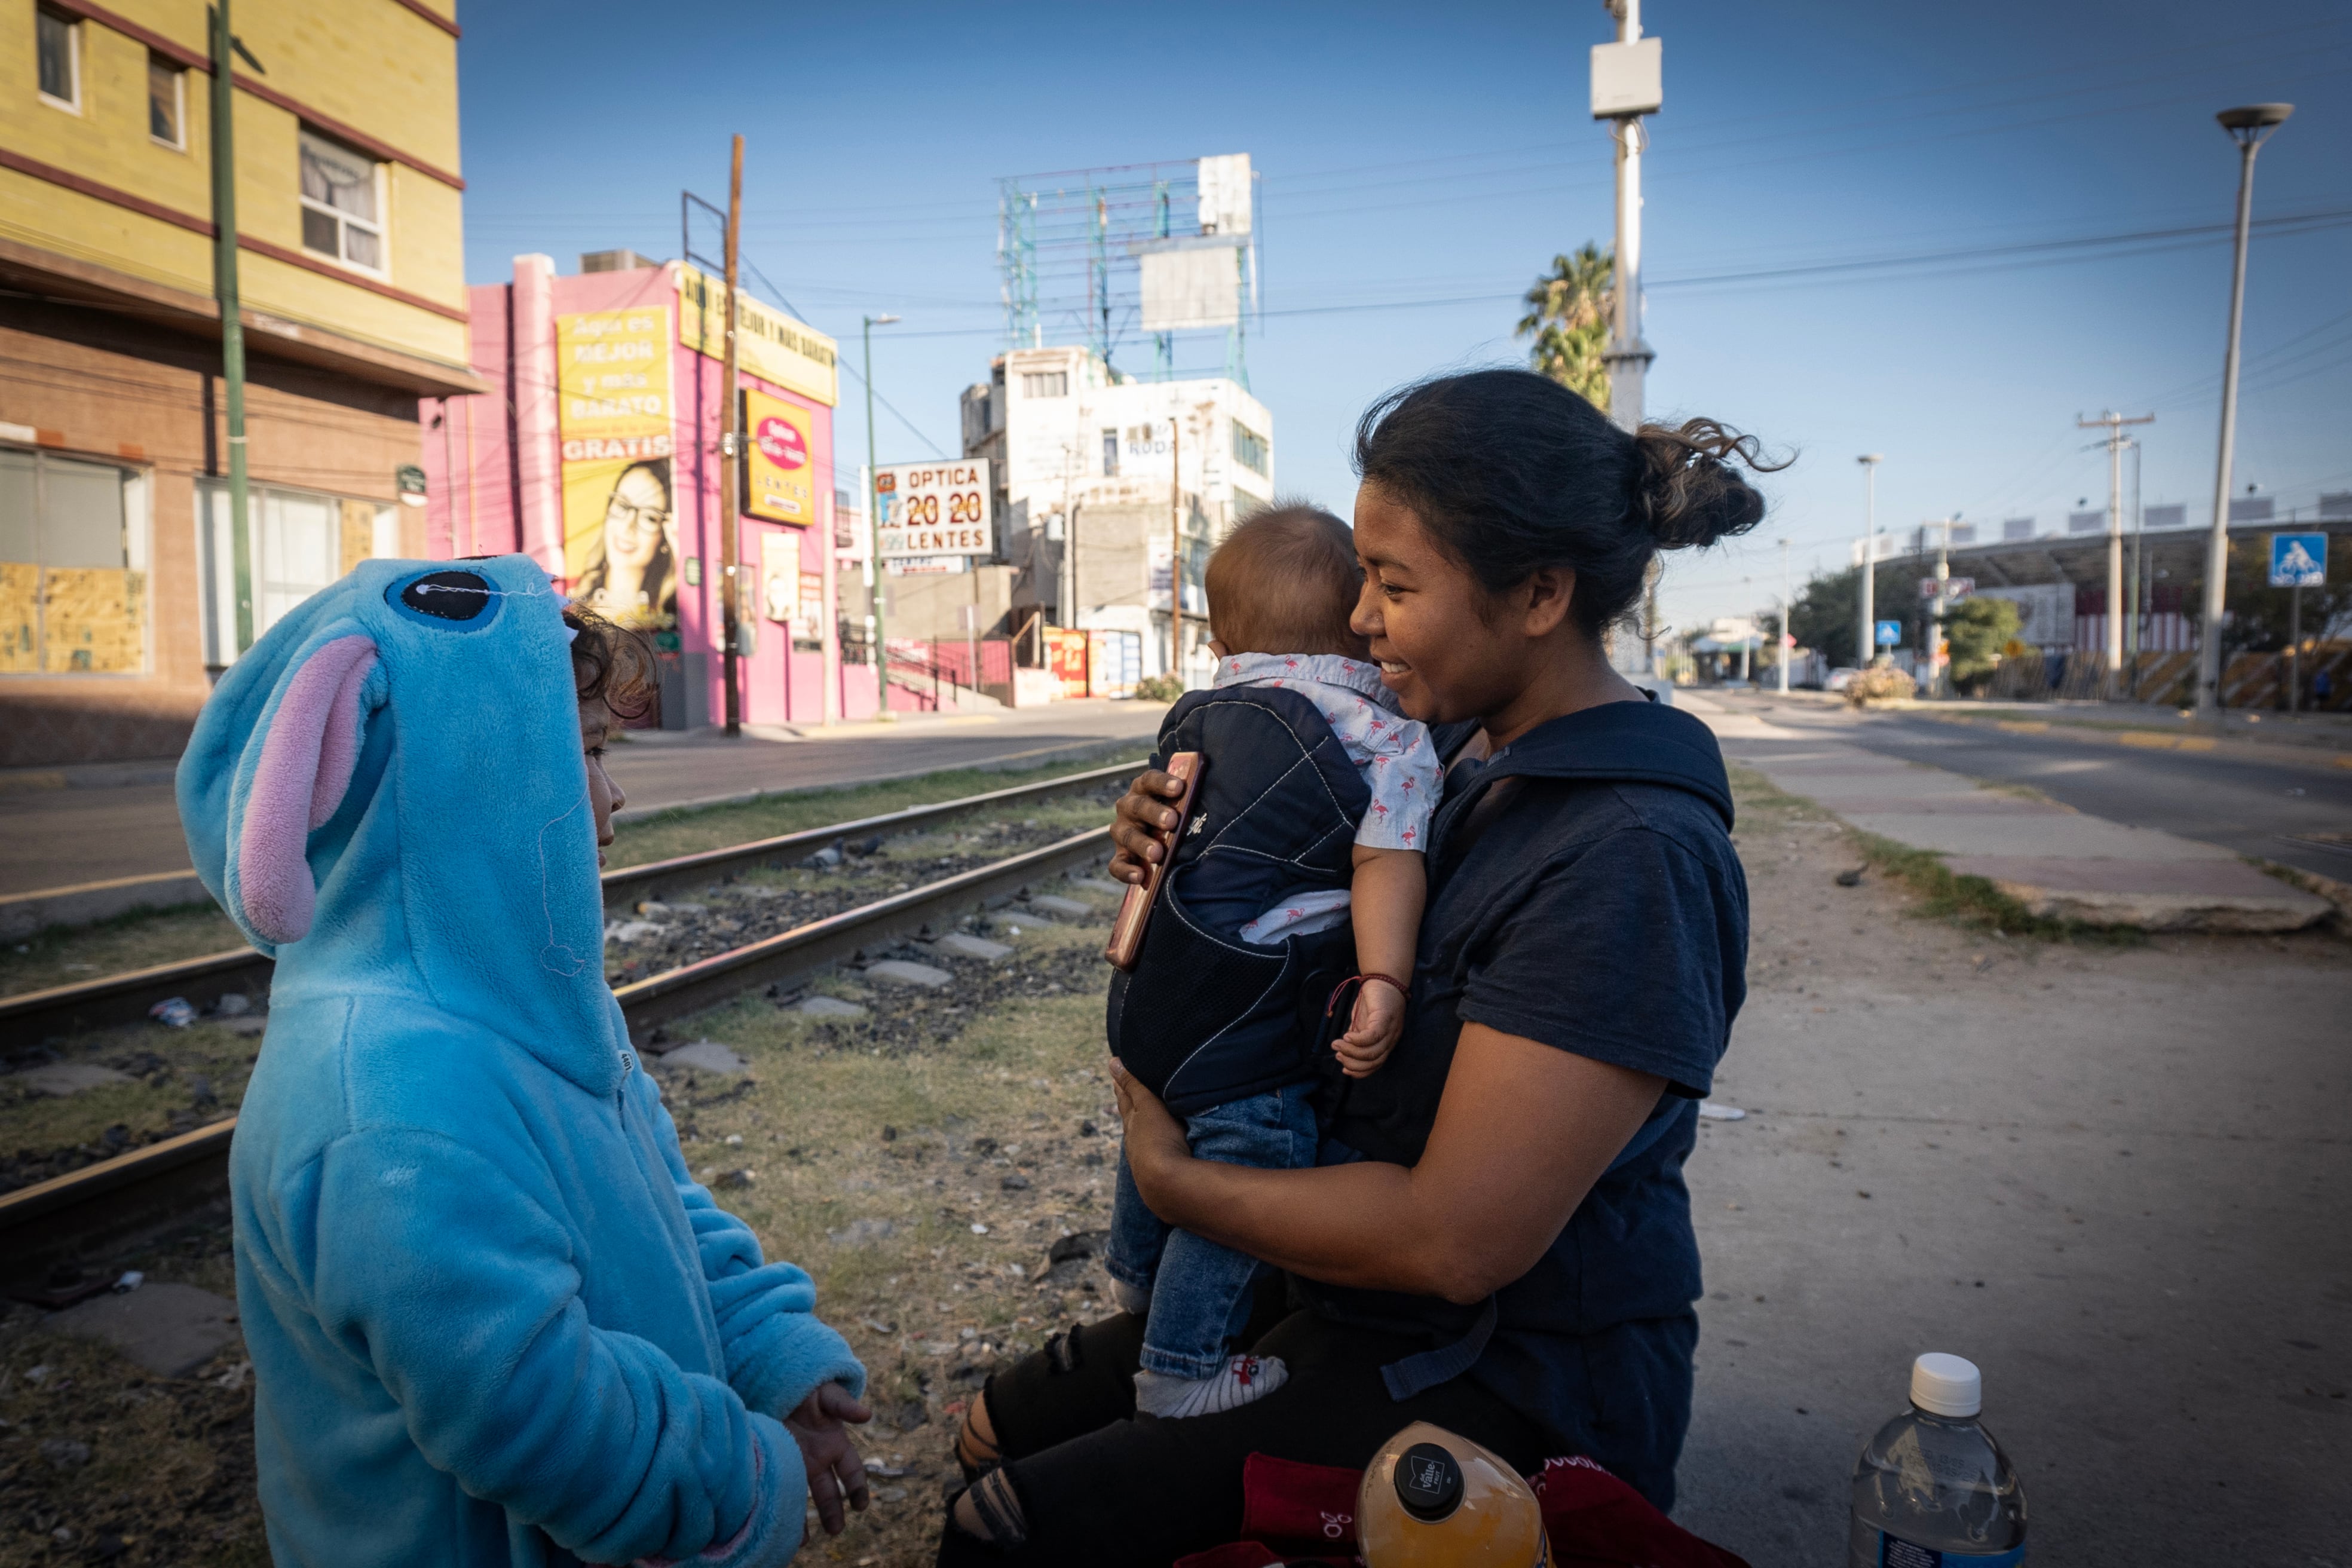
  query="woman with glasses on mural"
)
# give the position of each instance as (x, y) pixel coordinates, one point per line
(633, 580)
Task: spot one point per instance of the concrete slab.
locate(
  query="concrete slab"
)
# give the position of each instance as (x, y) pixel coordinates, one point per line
(62, 1079)
(706, 1055)
(899, 972)
(2068, 836)
(1949, 803)
(964, 945)
(1061, 908)
(169, 1329)
(2203, 895)
(828, 1007)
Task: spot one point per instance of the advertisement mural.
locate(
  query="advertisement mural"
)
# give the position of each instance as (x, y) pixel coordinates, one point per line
(614, 413)
(779, 471)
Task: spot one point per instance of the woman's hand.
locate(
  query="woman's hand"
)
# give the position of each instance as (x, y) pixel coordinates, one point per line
(1141, 819)
(1156, 1153)
(834, 1470)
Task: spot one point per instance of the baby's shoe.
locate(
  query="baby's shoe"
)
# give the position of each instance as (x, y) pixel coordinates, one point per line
(1237, 1383)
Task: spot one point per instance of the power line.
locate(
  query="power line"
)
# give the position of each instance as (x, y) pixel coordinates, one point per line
(842, 364)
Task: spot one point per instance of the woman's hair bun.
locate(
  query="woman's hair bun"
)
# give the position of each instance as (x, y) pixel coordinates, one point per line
(1686, 490)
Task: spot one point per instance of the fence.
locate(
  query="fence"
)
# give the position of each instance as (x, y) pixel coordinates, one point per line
(2250, 680)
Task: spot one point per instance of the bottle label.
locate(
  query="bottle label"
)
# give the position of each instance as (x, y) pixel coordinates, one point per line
(1897, 1553)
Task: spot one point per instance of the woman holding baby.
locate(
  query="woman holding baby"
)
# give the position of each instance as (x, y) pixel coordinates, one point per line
(1496, 1236)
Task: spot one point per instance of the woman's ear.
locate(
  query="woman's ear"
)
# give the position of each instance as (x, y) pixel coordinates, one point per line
(307, 758)
(1549, 590)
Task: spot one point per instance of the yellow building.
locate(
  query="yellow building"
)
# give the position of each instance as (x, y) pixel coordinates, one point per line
(117, 602)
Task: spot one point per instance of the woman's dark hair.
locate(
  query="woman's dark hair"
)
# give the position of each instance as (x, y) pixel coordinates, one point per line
(613, 663)
(1511, 472)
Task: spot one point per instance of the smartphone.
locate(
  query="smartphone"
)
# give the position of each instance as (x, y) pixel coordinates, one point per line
(1134, 910)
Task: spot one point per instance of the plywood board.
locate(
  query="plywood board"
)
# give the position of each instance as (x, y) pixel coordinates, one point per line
(93, 621)
(19, 617)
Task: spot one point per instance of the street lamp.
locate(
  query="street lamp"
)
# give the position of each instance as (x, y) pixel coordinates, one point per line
(882, 713)
(1868, 647)
(2249, 126)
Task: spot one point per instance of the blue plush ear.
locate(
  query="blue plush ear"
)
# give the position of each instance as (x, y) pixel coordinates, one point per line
(306, 764)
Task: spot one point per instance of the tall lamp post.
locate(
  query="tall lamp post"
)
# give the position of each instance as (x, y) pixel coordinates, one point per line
(882, 714)
(1788, 637)
(1626, 85)
(1868, 648)
(2249, 126)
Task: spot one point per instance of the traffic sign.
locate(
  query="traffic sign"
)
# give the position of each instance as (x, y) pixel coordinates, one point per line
(2298, 559)
(1954, 587)
(1889, 634)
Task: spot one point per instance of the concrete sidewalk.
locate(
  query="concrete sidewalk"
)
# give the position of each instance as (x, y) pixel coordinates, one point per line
(2059, 863)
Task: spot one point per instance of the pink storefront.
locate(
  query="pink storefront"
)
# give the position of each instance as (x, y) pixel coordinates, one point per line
(597, 453)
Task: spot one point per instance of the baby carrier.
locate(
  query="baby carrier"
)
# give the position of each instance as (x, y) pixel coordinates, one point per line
(1204, 1017)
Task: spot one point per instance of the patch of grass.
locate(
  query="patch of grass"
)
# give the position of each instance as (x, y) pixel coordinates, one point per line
(714, 827)
(67, 955)
(1975, 904)
(176, 1081)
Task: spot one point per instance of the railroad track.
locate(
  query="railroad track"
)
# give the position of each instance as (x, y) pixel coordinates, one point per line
(153, 1183)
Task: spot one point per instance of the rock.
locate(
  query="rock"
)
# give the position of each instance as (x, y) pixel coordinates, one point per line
(824, 859)
(965, 946)
(232, 1004)
(1061, 908)
(1102, 885)
(864, 1232)
(249, 1026)
(735, 1179)
(1850, 878)
(1015, 1182)
(62, 1079)
(632, 931)
(907, 1417)
(169, 1329)
(706, 1055)
(63, 1454)
(1082, 1244)
(828, 1007)
(1712, 1111)
(898, 971)
(1088, 1130)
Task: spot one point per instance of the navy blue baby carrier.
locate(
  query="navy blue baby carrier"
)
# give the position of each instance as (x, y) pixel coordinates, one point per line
(1205, 1018)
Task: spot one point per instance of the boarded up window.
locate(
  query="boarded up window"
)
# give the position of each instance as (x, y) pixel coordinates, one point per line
(73, 558)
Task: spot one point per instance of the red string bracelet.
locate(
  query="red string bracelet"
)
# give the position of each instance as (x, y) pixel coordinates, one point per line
(1332, 1005)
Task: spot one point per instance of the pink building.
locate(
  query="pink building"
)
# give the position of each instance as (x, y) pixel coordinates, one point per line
(597, 453)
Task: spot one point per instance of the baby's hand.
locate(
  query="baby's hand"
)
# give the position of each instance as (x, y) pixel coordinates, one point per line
(1373, 1028)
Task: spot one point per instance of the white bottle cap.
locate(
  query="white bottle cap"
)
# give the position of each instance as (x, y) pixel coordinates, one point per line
(1947, 1384)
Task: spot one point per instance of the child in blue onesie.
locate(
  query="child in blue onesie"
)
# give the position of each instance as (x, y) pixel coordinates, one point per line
(493, 1321)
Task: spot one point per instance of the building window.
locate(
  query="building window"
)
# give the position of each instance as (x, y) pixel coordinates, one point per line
(1045, 384)
(342, 203)
(57, 39)
(1249, 448)
(167, 102)
(299, 542)
(73, 567)
(1111, 454)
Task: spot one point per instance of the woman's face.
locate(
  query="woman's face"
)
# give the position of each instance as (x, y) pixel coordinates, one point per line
(1445, 649)
(634, 520)
(604, 796)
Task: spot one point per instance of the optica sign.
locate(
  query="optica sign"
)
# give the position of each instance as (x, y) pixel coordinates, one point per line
(779, 471)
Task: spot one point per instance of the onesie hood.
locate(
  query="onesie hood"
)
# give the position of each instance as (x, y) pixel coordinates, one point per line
(386, 794)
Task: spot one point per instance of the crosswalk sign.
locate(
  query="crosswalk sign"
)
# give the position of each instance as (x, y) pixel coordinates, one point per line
(2298, 559)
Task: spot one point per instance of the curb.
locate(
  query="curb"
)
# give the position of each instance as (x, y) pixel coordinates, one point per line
(23, 914)
(2238, 915)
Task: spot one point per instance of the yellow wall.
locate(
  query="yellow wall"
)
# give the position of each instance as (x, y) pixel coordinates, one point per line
(373, 64)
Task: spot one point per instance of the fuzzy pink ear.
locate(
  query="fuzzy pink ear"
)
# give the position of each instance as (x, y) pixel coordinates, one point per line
(306, 765)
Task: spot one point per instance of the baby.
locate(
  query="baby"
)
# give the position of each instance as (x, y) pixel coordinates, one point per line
(1281, 589)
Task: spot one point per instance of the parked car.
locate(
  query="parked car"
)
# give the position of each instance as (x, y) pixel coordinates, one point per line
(1840, 678)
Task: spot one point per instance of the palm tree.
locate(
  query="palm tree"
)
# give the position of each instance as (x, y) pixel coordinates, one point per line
(1568, 316)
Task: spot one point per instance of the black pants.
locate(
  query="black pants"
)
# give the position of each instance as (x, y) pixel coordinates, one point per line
(1099, 1488)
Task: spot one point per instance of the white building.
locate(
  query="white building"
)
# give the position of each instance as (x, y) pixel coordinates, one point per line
(1098, 473)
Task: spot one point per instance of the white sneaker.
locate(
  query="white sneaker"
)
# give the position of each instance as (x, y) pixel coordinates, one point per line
(1240, 1380)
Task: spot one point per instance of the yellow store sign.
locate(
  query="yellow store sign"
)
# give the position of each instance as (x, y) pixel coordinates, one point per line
(780, 476)
(770, 345)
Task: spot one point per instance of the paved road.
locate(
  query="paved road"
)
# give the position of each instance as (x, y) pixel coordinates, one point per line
(62, 837)
(2273, 804)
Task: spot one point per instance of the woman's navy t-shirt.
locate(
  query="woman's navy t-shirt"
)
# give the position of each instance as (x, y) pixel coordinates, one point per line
(1583, 892)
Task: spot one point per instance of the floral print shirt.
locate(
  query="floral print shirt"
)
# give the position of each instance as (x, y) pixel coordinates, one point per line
(1393, 755)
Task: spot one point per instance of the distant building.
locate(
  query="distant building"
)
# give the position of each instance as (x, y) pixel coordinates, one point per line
(117, 586)
(1096, 474)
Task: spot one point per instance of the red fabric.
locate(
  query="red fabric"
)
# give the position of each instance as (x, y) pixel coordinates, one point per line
(1293, 1513)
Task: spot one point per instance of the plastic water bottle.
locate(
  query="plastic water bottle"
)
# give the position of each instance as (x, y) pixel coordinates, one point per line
(1933, 1490)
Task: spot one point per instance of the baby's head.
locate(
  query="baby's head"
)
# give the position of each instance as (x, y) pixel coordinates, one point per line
(1285, 581)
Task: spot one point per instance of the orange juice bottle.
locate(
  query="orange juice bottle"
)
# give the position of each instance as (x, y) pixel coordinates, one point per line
(1431, 1499)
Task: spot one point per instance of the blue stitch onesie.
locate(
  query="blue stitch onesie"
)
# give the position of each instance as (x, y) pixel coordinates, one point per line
(493, 1319)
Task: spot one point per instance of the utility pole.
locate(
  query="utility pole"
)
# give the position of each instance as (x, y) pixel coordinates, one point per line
(1867, 650)
(1175, 545)
(730, 439)
(2248, 126)
(232, 313)
(1788, 637)
(1627, 85)
(878, 577)
(2114, 423)
(2136, 584)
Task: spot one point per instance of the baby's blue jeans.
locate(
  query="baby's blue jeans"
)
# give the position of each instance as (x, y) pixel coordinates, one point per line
(1200, 1291)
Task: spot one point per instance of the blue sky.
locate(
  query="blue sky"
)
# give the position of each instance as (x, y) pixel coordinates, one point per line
(1421, 154)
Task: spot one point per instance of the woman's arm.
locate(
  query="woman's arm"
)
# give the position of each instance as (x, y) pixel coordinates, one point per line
(1523, 1130)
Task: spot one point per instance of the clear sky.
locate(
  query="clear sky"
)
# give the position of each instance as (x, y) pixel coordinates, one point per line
(1424, 162)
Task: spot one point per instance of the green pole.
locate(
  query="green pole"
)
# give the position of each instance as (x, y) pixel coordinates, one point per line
(231, 315)
(874, 532)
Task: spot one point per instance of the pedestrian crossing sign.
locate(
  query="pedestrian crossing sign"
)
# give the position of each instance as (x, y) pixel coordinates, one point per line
(2298, 559)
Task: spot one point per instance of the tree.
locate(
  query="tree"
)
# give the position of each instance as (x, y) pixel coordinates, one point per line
(1568, 316)
(1978, 630)
(1825, 615)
